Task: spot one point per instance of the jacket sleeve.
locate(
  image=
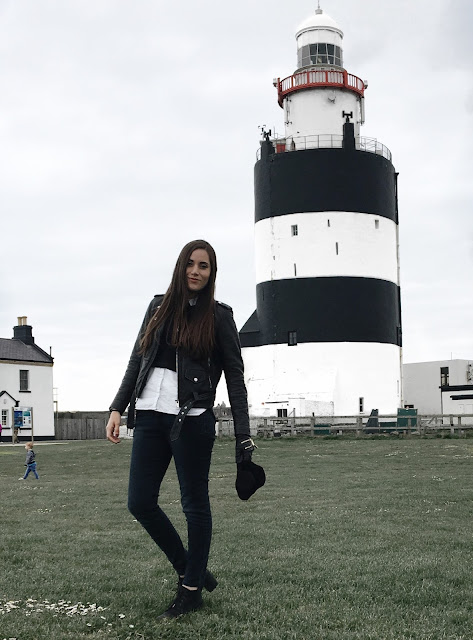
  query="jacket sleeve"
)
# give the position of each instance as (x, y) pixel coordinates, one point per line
(125, 392)
(228, 343)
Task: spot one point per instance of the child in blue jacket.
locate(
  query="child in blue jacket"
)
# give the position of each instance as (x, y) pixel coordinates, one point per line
(30, 462)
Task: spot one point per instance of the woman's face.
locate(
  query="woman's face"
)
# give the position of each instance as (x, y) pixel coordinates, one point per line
(198, 270)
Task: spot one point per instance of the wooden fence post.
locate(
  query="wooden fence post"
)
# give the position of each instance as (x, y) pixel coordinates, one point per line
(359, 425)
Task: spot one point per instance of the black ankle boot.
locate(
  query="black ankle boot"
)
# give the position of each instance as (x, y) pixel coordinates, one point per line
(185, 602)
(210, 581)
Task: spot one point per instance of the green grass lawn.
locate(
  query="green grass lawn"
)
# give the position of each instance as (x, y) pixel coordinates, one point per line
(349, 539)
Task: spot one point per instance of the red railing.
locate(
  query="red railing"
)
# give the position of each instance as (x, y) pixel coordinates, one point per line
(318, 78)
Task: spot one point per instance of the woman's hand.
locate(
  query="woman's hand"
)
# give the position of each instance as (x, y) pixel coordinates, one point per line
(113, 427)
(244, 447)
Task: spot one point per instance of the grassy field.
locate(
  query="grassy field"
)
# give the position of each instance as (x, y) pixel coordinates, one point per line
(349, 539)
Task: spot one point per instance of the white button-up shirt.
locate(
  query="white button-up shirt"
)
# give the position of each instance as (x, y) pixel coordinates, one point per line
(160, 393)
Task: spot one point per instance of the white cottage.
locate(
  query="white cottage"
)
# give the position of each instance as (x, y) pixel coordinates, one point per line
(26, 386)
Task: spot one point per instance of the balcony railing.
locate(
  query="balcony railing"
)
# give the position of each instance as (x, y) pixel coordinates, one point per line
(319, 78)
(326, 141)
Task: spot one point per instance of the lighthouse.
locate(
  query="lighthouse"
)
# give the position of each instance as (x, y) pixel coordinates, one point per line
(325, 338)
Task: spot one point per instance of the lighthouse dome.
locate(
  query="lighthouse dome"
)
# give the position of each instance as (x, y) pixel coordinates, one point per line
(319, 42)
(319, 20)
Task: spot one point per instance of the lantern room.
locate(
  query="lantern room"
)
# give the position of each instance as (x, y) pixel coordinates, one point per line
(319, 42)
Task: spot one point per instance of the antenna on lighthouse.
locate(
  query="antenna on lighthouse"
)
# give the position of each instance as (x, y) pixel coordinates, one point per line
(266, 134)
(318, 10)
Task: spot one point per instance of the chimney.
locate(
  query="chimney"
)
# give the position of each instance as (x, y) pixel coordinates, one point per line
(23, 331)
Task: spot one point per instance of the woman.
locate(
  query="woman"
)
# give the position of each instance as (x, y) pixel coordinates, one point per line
(186, 340)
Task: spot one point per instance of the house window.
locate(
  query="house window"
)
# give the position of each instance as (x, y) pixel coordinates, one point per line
(292, 338)
(282, 413)
(294, 230)
(362, 405)
(24, 380)
(444, 376)
(4, 417)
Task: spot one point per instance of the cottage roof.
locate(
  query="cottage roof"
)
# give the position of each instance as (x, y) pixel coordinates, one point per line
(2, 393)
(13, 349)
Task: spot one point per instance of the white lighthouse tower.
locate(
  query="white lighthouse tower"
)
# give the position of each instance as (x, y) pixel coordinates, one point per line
(325, 338)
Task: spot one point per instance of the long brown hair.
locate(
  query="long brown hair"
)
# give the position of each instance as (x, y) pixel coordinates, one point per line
(196, 336)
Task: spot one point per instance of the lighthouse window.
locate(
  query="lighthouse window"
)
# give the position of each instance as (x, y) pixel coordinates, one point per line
(294, 231)
(303, 56)
(376, 224)
(292, 338)
(336, 248)
(319, 53)
(362, 405)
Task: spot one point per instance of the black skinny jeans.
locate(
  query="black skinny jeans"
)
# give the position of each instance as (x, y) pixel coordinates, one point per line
(192, 451)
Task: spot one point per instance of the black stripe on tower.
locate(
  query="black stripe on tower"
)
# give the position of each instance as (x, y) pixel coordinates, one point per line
(334, 309)
(324, 180)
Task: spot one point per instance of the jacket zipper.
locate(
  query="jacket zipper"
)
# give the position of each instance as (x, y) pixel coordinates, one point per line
(177, 373)
(210, 379)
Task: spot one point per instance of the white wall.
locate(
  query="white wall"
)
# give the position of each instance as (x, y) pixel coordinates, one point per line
(365, 249)
(6, 404)
(422, 386)
(318, 111)
(313, 35)
(323, 378)
(40, 396)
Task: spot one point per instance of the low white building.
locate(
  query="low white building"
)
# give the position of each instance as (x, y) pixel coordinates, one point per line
(440, 387)
(26, 386)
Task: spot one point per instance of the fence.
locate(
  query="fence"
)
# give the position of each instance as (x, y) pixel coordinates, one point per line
(93, 428)
(455, 424)
(326, 141)
(81, 428)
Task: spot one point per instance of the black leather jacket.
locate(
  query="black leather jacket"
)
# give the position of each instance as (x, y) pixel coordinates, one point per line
(194, 378)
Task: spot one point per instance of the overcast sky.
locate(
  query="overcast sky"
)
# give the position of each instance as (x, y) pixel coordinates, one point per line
(130, 128)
